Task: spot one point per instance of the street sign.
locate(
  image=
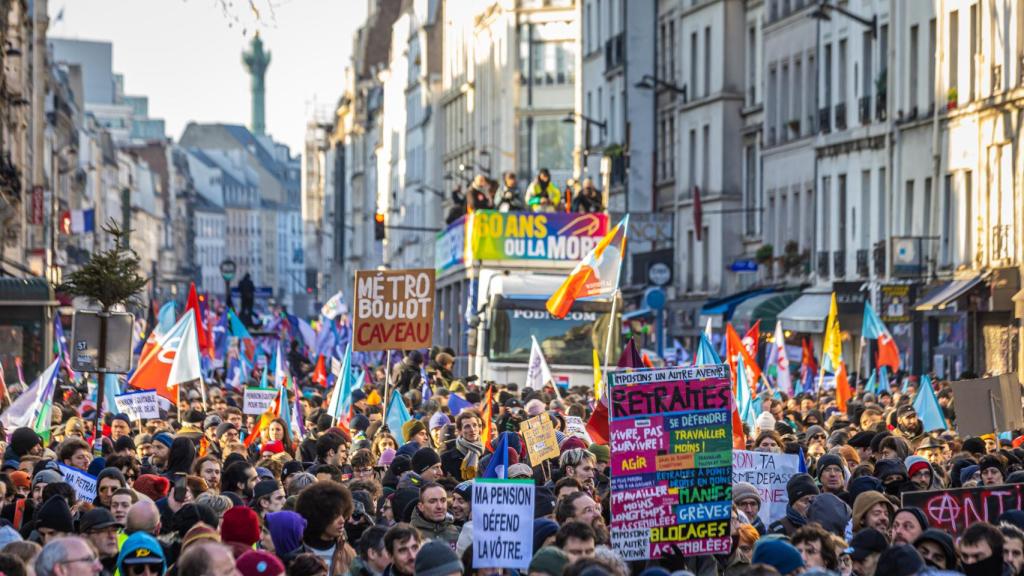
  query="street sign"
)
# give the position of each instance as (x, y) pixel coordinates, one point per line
(659, 274)
(654, 298)
(85, 342)
(743, 266)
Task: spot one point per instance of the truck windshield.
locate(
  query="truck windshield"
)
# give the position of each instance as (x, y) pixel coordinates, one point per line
(569, 341)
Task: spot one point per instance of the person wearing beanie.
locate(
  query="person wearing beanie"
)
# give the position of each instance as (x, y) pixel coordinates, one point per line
(22, 482)
(267, 496)
(437, 423)
(908, 524)
(831, 473)
(53, 520)
(199, 532)
(240, 529)
(544, 502)
(437, 559)
(159, 451)
(24, 442)
(830, 512)
(286, 529)
(865, 548)
(153, 486)
(548, 561)
(993, 470)
(427, 464)
(937, 549)
(872, 510)
(746, 497)
(921, 474)
(415, 431)
(850, 455)
(970, 473)
(801, 490)
(765, 421)
(900, 560)
(141, 549)
(778, 554)
(7, 535)
(535, 407)
(259, 563)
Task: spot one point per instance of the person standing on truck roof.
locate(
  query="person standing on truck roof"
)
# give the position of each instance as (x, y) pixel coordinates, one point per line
(511, 199)
(543, 196)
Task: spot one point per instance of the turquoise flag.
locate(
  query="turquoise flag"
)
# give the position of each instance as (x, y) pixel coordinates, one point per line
(706, 354)
(927, 407)
(744, 401)
(398, 415)
(341, 396)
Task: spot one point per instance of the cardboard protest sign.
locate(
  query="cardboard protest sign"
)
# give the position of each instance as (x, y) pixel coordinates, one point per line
(769, 473)
(671, 461)
(83, 483)
(139, 405)
(502, 523)
(954, 509)
(979, 401)
(257, 400)
(574, 426)
(394, 309)
(539, 436)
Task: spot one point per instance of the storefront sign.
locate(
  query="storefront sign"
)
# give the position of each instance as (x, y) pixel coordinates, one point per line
(394, 309)
(769, 473)
(955, 509)
(671, 461)
(533, 235)
(896, 302)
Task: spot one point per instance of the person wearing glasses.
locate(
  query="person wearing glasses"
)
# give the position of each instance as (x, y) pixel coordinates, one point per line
(67, 557)
(141, 555)
(99, 527)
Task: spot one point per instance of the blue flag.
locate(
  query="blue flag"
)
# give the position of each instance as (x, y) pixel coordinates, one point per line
(744, 401)
(111, 388)
(341, 397)
(166, 317)
(706, 354)
(457, 404)
(398, 415)
(869, 386)
(883, 379)
(803, 462)
(927, 407)
(498, 466)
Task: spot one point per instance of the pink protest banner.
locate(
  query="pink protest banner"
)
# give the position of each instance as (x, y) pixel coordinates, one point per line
(671, 461)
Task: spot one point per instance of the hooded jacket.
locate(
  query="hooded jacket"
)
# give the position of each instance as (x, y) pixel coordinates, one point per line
(864, 503)
(831, 512)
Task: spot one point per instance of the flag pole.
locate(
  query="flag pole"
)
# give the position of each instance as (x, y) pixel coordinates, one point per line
(608, 338)
(387, 384)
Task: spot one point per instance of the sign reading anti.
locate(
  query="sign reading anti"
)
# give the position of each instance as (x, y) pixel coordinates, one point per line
(502, 523)
(671, 461)
(141, 405)
(394, 309)
(83, 483)
(953, 510)
(256, 401)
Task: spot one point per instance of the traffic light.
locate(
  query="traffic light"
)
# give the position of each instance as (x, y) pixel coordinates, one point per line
(378, 226)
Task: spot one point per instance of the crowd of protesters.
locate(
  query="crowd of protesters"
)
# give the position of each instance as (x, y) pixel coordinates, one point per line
(542, 195)
(194, 495)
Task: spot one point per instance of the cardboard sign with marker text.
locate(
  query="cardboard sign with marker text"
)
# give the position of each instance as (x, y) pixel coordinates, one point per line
(540, 439)
(394, 309)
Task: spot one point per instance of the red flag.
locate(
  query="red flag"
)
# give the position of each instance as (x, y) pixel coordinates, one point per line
(733, 348)
(888, 352)
(488, 417)
(193, 305)
(698, 213)
(597, 424)
(739, 439)
(843, 392)
(807, 363)
(320, 372)
(752, 338)
(647, 361)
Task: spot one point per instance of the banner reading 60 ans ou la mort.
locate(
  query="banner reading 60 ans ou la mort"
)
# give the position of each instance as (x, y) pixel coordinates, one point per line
(394, 309)
(671, 461)
(533, 235)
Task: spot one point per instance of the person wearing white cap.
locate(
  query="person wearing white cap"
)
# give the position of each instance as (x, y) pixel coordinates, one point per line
(764, 422)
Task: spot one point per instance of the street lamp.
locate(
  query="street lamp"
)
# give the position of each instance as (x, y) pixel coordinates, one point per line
(649, 82)
(227, 271)
(570, 118)
(821, 13)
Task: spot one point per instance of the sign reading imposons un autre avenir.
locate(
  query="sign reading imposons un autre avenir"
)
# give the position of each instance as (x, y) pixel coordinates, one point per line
(394, 309)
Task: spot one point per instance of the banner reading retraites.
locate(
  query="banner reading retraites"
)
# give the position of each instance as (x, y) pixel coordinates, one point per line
(671, 461)
(502, 523)
(140, 405)
(257, 400)
(394, 309)
(83, 483)
(769, 473)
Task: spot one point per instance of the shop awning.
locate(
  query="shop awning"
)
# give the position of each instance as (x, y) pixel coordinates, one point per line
(945, 294)
(807, 313)
(721, 310)
(763, 307)
(26, 292)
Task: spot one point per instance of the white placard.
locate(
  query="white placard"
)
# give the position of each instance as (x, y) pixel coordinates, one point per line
(141, 405)
(258, 400)
(502, 523)
(769, 473)
(574, 426)
(83, 483)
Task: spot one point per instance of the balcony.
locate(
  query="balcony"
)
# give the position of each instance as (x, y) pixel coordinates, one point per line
(881, 113)
(825, 120)
(617, 172)
(823, 264)
(879, 258)
(841, 116)
(864, 110)
(862, 263)
(839, 264)
(613, 53)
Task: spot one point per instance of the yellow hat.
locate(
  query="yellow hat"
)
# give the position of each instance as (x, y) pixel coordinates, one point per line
(373, 398)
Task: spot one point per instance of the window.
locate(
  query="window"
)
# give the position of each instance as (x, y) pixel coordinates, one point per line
(689, 260)
(973, 50)
(693, 65)
(751, 65)
(614, 124)
(671, 72)
(670, 155)
(825, 241)
(588, 33)
(953, 53)
(908, 210)
(931, 65)
(827, 81)
(774, 114)
(969, 228)
(841, 215)
(798, 95)
(843, 66)
(691, 170)
(783, 223)
(707, 61)
(705, 173)
(867, 43)
(770, 221)
(662, 48)
(949, 227)
(926, 221)
(784, 103)
(865, 209)
(750, 190)
(705, 259)
(912, 95)
(811, 87)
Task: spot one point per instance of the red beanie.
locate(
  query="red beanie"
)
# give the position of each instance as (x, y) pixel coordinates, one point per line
(259, 563)
(917, 467)
(275, 447)
(153, 486)
(240, 524)
(572, 442)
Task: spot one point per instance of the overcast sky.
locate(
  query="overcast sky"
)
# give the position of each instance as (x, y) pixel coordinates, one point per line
(186, 55)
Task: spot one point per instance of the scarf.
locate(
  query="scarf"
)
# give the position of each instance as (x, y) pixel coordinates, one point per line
(465, 447)
(796, 518)
(471, 452)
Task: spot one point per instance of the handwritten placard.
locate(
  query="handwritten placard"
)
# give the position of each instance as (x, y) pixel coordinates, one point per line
(540, 439)
(141, 405)
(769, 473)
(257, 400)
(83, 483)
(574, 426)
(394, 309)
(955, 509)
(502, 523)
(671, 461)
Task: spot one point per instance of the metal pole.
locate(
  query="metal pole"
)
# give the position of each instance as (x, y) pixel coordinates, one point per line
(387, 384)
(608, 338)
(101, 376)
(659, 329)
